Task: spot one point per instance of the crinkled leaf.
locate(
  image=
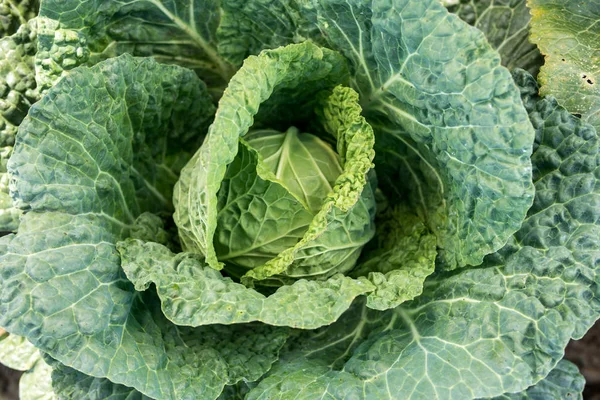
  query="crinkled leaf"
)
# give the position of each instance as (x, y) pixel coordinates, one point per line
(401, 257)
(248, 27)
(505, 323)
(182, 32)
(17, 80)
(194, 294)
(13, 14)
(17, 92)
(568, 35)
(505, 24)
(458, 111)
(292, 74)
(17, 353)
(106, 135)
(85, 174)
(9, 215)
(563, 382)
(71, 384)
(88, 316)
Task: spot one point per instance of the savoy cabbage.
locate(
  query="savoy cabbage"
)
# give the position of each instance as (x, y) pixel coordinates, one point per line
(260, 199)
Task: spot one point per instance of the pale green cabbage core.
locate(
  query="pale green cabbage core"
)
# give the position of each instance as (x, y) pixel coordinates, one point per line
(271, 192)
(305, 164)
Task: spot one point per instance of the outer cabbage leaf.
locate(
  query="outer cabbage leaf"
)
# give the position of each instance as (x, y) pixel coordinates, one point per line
(68, 383)
(194, 294)
(505, 323)
(458, 110)
(505, 24)
(248, 27)
(84, 174)
(567, 33)
(563, 382)
(180, 32)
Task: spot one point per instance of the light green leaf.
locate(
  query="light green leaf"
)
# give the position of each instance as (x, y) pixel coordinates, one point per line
(9, 215)
(505, 24)
(290, 74)
(568, 35)
(98, 325)
(182, 32)
(505, 323)
(401, 257)
(16, 352)
(457, 110)
(344, 222)
(563, 382)
(306, 165)
(36, 384)
(194, 294)
(71, 384)
(85, 174)
(17, 92)
(257, 218)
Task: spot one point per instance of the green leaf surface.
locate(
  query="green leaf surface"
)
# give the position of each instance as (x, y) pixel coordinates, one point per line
(69, 384)
(505, 24)
(505, 323)
(15, 13)
(568, 34)
(17, 353)
(194, 294)
(248, 27)
(98, 325)
(36, 384)
(563, 382)
(9, 215)
(401, 257)
(84, 161)
(294, 73)
(85, 174)
(179, 32)
(457, 110)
